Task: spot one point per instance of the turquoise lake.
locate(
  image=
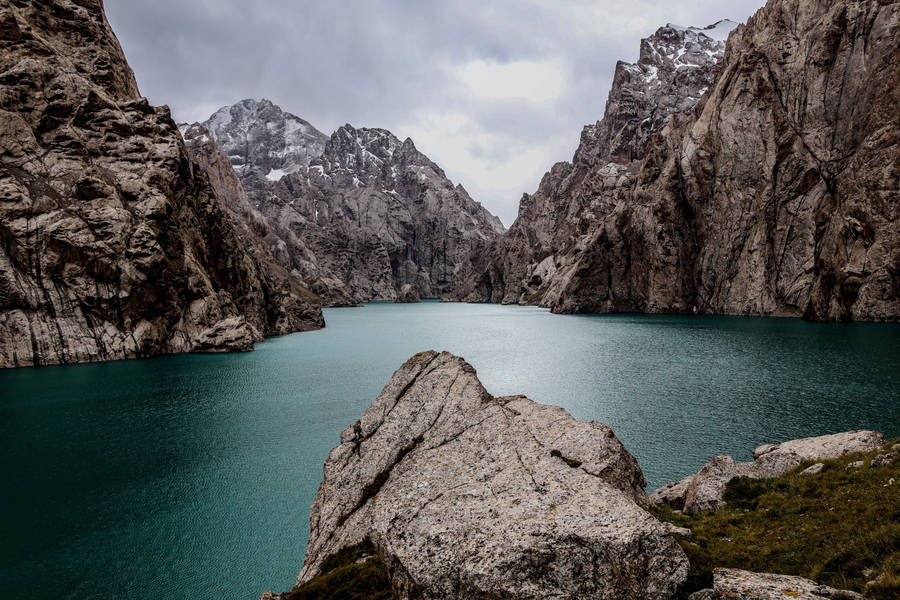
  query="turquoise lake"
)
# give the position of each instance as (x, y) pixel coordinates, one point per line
(191, 476)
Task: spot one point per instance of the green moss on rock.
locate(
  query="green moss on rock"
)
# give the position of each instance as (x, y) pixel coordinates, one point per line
(353, 573)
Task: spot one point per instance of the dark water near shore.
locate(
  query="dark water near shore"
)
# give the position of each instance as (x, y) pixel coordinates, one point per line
(191, 476)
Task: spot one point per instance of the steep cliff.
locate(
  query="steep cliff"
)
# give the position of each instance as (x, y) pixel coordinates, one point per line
(776, 196)
(286, 247)
(366, 209)
(676, 67)
(112, 244)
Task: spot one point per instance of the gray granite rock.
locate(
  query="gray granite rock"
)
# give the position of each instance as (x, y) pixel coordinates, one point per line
(813, 469)
(883, 459)
(734, 584)
(407, 294)
(705, 490)
(469, 496)
(823, 446)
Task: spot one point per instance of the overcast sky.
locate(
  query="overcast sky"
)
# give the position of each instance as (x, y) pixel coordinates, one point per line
(494, 91)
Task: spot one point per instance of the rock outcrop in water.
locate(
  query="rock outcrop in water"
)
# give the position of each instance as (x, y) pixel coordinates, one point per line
(776, 196)
(469, 496)
(705, 490)
(361, 210)
(113, 244)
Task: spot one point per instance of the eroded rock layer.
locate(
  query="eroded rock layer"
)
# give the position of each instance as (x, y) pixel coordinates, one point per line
(112, 244)
(776, 195)
(469, 496)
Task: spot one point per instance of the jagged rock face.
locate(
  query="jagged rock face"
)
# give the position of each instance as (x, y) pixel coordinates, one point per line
(407, 295)
(468, 496)
(369, 178)
(776, 197)
(705, 490)
(535, 258)
(374, 212)
(676, 67)
(264, 143)
(112, 247)
(735, 583)
(272, 242)
(789, 173)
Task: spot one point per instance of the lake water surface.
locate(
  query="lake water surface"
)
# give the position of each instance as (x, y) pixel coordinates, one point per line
(190, 477)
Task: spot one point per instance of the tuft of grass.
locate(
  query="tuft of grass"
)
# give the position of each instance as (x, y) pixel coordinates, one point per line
(353, 573)
(840, 527)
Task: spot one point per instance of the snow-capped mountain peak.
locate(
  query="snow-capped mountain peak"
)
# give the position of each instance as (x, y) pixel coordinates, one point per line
(260, 136)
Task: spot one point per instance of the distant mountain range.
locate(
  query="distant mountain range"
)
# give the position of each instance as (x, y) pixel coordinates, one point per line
(359, 214)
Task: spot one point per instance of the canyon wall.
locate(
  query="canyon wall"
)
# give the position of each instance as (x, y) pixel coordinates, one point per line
(776, 194)
(113, 244)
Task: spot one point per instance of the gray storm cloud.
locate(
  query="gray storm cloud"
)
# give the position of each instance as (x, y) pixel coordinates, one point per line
(494, 92)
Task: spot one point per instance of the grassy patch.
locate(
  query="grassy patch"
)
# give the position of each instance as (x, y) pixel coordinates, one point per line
(354, 573)
(840, 527)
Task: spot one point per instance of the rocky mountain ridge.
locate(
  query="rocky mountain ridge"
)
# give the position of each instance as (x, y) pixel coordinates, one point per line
(370, 213)
(775, 196)
(113, 244)
(675, 68)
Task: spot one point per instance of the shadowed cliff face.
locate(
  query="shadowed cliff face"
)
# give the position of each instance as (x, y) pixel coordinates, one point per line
(112, 245)
(676, 66)
(284, 242)
(361, 212)
(776, 196)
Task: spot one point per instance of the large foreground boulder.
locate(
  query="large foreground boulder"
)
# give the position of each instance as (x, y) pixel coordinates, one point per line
(705, 490)
(464, 495)
(730, 584)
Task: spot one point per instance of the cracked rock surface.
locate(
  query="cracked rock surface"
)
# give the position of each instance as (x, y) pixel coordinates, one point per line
(469, 496)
